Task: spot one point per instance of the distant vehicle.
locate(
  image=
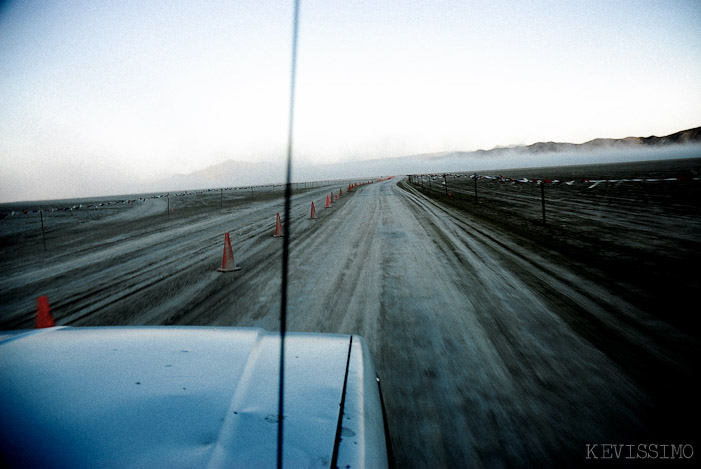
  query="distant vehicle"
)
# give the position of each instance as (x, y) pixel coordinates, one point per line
(186, 397)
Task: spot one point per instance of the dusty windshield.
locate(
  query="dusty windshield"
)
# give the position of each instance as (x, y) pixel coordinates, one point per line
(502, 199)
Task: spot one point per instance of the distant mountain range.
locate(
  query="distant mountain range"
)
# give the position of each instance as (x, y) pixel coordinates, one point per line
(234, 173)
(684, 136)
(601, 150)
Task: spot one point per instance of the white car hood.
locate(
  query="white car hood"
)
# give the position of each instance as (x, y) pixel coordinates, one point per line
(177, 397)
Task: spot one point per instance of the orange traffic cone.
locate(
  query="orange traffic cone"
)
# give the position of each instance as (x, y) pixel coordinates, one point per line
(227, 263)
(328, 202)
(279, 231)
(335, 196)
(340, 191)
(313, 214)
(44, 318)
(349, 187)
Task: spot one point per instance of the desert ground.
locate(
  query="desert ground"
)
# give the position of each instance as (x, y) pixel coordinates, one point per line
(500, 340)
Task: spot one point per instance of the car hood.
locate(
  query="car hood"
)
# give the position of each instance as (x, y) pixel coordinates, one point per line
(179, 397)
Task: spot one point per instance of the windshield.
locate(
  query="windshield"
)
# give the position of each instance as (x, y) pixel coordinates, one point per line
(501, 198)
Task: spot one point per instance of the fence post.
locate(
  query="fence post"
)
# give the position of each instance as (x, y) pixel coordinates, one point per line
(43, 235)
(474, 176)
(542, 198)
(445, 183)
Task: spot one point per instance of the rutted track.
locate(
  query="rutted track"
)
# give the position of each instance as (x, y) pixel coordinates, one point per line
(112, 272)
(493, 350)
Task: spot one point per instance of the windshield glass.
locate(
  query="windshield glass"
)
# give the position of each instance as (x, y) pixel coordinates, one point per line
(502, 198)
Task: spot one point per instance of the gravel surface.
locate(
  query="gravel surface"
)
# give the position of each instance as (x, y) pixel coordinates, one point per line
(495, 347)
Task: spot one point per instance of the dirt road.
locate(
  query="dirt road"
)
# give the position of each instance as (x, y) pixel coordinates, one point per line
(476, 334)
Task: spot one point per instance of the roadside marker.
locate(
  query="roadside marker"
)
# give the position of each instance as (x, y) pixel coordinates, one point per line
(227, 263)
(44, 318)
(279, 232)
(328, 202)
(313, 214)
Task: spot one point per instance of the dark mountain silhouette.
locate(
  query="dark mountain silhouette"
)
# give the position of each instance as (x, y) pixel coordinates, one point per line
(684, 136)
(240, 173)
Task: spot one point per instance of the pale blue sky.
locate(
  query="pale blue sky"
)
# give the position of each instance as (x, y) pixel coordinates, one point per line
(94, 92)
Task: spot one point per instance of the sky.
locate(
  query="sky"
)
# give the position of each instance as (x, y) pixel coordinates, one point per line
(98, 94)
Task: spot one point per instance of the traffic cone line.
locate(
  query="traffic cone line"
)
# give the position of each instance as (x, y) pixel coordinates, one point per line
(43, 318)
(228, 264)
(279, 231)
(313, 214)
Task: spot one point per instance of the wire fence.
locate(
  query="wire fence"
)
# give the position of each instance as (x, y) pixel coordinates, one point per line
(555, 198)
(42, 218)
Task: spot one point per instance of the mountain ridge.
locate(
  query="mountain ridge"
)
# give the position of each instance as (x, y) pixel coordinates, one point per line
(692, 135)
(232, 173)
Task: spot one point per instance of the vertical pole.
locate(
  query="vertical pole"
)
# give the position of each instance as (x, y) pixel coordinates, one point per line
(542, 198)
(285, 246)
(43, 235)
(422, 181)
(221, 203)
(168, 210)
(475, 178)
(445, 183)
